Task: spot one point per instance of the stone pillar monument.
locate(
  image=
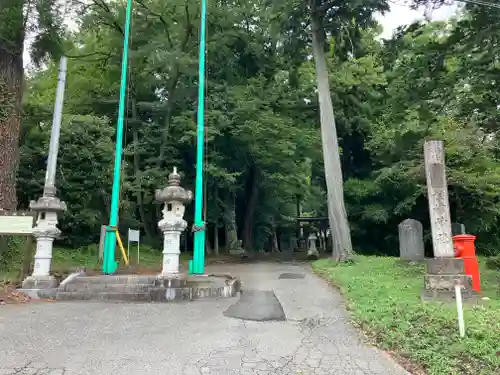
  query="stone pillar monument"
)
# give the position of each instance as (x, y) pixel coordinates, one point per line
(48, 206)
(172, 224)
(444, 270)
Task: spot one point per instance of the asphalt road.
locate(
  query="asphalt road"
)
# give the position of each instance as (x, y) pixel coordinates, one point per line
(80, 338)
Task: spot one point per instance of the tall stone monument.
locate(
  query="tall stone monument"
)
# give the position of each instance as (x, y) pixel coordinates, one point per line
(444, 270)
(48, 206)
(411, 241)
(174, 198)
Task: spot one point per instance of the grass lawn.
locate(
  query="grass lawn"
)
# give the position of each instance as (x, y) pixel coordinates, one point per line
(384, 299)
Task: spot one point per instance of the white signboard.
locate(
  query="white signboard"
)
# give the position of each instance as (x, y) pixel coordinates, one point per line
(133, 235)
(16, 224)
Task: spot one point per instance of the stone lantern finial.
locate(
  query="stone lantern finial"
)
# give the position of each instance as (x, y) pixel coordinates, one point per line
(174, 179)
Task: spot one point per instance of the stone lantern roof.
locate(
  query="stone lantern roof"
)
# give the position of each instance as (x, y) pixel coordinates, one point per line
(173, 191)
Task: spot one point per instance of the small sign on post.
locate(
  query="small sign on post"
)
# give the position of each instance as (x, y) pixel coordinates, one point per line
(16, 223)
(20, 223)
(133, 236)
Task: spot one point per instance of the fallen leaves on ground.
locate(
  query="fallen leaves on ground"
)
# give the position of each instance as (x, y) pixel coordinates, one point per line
(9, 295)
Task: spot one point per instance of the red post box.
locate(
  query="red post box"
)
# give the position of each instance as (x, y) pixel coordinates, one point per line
(465, 249)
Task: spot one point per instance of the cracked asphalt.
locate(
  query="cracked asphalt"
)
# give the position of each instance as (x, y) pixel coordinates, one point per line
(192, 338)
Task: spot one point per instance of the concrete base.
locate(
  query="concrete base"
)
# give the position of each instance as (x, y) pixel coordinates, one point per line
(40, 282)
(39, 293)
(148, 288)
(442, 276)
(469, 296)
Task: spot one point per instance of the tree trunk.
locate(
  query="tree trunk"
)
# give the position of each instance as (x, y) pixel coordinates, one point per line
(208, 246)
(230, 223)
(216, 240)
(275, 246)
(342, 245)
(137, 175)
(11, 83)
(247, 235)
(216, 221)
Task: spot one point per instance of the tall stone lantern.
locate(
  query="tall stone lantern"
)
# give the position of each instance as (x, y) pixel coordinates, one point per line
(174, 198)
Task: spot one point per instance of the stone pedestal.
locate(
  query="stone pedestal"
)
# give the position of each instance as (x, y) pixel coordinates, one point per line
(45, 232)
(442, 276)
(171, 246)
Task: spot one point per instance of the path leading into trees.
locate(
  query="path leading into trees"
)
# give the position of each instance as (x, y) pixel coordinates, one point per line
(192, 338)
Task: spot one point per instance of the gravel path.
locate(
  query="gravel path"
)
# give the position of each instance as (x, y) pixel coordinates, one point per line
(78, 338)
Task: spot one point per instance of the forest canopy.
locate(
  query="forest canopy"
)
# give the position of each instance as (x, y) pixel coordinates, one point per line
(430, 80)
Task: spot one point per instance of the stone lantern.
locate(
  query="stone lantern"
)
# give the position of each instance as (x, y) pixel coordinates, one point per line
(48, 206)
(312, 251)
(174, 198)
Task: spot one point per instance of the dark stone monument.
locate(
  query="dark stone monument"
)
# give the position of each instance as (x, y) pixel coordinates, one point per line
(457, 228)
(411, 241)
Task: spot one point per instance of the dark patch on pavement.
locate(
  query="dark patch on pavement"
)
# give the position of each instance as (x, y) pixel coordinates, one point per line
(294, 276)
(256, 305)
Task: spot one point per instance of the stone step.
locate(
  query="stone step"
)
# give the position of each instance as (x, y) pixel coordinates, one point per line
(115, 279)
(151, 294)
(152, 280)
(111, 288)
(124, 297)
(149, 288)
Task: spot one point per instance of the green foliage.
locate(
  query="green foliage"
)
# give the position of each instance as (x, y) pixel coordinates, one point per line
(11, 253)
(84, 170)
(430, 81)
(384, 299)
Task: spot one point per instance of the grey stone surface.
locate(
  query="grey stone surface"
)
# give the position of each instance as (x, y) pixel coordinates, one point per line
(441, 277)
(447, 282)
(40, 282)
(140, 288)
(437, 193)
(193, 338)
(411, 240)
(445, 266)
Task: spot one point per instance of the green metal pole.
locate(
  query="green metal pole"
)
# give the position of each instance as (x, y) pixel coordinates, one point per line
(109, 264)
(199, 235)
